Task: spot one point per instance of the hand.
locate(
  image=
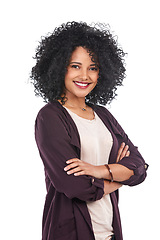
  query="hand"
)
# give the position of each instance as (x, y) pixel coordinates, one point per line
(123, 152)
(77, 167)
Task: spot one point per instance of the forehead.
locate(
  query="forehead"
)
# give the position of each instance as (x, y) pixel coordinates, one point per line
(80, 54)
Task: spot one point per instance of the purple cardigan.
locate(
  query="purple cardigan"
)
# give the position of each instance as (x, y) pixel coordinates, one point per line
(66, 216)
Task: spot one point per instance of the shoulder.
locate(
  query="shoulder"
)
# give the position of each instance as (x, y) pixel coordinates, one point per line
(53, 110)
(54, 115)
(104, 111)
(107, 116)
(54, 119)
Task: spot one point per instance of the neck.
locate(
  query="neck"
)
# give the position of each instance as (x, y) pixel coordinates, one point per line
(76, 102)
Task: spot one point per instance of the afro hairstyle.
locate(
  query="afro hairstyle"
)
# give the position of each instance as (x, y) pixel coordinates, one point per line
(54, 52)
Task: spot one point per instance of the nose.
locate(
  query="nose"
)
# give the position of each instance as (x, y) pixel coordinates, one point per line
(84, 74)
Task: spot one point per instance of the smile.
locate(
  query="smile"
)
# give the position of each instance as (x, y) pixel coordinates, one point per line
(81, 85)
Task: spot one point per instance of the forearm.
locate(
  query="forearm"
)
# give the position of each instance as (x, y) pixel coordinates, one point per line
(120, 173)
(78, 167)
(110, 187)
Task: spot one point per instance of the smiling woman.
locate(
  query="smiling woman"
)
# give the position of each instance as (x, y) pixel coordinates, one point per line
(54, 56)
(80, 79)
(80, 66)
(86, 154)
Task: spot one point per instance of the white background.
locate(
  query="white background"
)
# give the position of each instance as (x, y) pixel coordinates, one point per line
(22, 191)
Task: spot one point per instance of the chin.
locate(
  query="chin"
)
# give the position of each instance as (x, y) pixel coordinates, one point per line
(82, 94)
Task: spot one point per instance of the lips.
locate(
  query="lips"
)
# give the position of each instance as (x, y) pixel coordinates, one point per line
(81, 85)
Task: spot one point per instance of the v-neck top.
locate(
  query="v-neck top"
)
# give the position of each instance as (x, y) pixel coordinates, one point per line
(66, 214)
(96, 143)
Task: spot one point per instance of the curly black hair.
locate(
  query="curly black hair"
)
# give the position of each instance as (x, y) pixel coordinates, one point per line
(55, 50)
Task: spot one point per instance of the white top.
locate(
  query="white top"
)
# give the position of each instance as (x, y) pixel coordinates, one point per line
(96, 143)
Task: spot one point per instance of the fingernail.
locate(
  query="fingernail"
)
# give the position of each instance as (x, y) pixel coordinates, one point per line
(65, 169)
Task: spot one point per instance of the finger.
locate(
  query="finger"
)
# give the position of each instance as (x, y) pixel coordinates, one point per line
(128, 153)
(120, 151)
(73, 160)
(123, 154)
(71, 165)
(79, 173)
(75, 170)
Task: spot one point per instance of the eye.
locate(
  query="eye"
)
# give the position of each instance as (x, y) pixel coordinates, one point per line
(75, 66)
(94, 69)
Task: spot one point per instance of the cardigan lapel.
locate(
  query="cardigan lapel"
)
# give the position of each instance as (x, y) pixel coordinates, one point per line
(113, 131)
(70, 124)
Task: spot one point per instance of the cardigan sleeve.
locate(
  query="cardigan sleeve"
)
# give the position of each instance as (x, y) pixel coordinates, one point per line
(135, 161)
(55, 148)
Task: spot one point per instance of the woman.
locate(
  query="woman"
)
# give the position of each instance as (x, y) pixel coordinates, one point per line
(86, 154)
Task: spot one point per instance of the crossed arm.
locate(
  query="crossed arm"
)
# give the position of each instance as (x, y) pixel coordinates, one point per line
(120, 173)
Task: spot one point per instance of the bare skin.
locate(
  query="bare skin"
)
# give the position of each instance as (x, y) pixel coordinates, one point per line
(77, 167)
(80, 79)
(80, 70)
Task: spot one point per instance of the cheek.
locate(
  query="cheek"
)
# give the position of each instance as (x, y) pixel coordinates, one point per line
(68, 81)
(67, 78)
(95, 82)
(95, 78)
(69, 75)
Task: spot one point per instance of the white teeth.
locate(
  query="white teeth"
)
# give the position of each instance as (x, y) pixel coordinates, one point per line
(81, 84)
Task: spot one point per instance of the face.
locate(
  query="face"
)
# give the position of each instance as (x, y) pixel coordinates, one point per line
(82, 74)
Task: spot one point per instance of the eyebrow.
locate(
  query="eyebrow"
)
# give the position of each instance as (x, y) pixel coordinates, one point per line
(76, 63)
(94, 64)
